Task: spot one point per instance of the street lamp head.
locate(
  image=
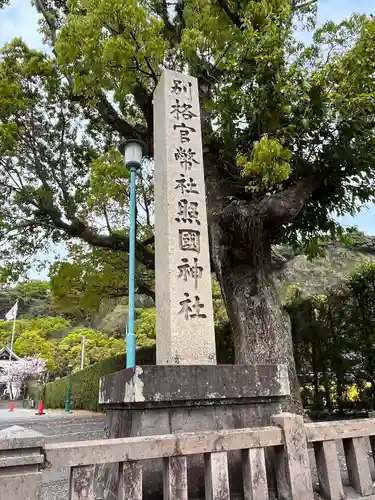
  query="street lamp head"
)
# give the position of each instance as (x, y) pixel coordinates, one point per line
(133, 151)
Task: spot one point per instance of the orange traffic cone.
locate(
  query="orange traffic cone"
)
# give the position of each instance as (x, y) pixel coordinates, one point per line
(11, 408)
(40, 408)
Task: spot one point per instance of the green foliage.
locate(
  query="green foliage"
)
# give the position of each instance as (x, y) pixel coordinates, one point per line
(107, 172)
(85, 383)
(34, 288)
(107, 56)
(98, 347)
(285, 110)
(42, 327)
(31, 343)
(145, 325)
(33, 299)
(268, 167)
(79, 285)
(334, 338)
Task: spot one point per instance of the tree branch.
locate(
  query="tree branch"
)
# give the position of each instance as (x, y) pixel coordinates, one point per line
(297, 6)
(149, 241)
(113, 119)
(151, 73)
(144, 288)
(271, 211)
(69, 203)
(78, 229)
(106, 218)
(162, 10)
(232, 16)
(283, 207)
(48, 17)
(105, 108)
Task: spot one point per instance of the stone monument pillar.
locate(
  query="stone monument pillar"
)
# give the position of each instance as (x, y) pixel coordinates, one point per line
(184, 314)
(186, 390)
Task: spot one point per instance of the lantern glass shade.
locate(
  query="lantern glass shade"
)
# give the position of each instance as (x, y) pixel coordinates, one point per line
(133, 153)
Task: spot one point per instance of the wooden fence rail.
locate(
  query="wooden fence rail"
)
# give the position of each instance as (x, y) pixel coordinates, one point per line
(24, 457)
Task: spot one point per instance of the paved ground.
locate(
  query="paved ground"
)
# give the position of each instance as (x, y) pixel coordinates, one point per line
(57, 426)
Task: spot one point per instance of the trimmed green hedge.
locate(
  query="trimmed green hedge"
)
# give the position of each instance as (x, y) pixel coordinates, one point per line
(85, 383)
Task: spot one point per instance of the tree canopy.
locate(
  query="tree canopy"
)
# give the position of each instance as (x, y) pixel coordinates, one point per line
(291, 121)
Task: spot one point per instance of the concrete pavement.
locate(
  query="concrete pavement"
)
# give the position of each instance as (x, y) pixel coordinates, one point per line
(56, 426)
(28, 415)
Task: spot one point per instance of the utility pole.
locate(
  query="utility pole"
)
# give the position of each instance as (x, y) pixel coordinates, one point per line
(83, 351)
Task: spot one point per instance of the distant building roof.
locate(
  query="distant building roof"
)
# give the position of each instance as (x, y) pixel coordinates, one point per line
(5, 352)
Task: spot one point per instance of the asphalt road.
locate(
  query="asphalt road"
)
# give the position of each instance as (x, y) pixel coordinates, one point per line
(56, 426)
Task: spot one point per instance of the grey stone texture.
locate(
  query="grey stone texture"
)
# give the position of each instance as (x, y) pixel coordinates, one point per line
(216, 476)
(358, 465)
(152, 400)
(82, 483)
(175, 486)
(21, 457)
(20, 474)
(131, 480)
(254, 474)
(293, 467)
(184, 312)
(328, 469)
(175, 385)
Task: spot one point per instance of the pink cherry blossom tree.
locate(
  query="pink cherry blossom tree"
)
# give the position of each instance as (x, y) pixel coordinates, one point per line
(19, 372)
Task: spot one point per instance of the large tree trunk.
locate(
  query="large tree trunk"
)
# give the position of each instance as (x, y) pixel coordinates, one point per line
(261, 327)
(242, 229)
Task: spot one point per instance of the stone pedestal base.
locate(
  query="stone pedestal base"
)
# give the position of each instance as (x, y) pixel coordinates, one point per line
(151, 400)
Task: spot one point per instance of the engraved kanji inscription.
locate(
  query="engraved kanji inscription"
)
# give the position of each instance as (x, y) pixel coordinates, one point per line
(191, 309)
(189, 240)
(185, 132)
(187, 270)
(179, 89)
(182, 110)
(188, 212)
(186, 185)
(186, 309)
(197, 306)
(186, 157)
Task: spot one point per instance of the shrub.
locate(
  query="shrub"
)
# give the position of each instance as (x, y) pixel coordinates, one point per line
(85, 383)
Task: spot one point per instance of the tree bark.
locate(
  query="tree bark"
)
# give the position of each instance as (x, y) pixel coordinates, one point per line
(327, 390)
(261, 328)
(314, 357)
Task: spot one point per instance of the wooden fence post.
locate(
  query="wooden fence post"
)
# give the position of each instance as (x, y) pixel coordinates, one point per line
(21, 458)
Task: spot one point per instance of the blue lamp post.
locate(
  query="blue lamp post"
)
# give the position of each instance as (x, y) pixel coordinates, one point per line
(133, 151)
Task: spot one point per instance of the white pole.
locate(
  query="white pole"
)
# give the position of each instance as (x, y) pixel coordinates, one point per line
(11, 347)
(13, 332)
(83, 351)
